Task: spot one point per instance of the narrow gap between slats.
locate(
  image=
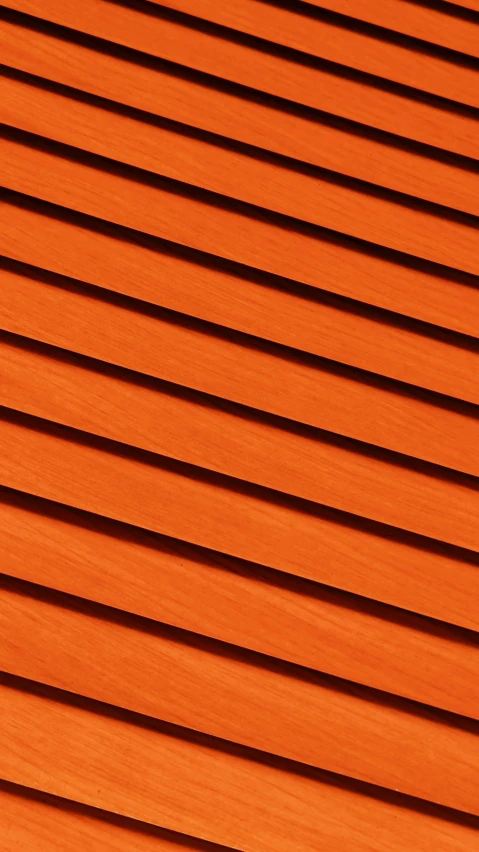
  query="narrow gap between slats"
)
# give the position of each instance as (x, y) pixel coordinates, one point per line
(214, 199)
(234, 268)
(263, 155)
(199, 474)
(299, 57)
(368, 28)
(213, 743)
(293, 54)
(455, 10)
(243, 411)
(227, 650)
(209, 80)
(449, 7)
(261, 574)
(242, 338)
(159, 10)
(129, 824)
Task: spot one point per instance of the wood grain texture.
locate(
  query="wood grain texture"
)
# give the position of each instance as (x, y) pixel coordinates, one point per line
(337, 331)
(239, 495)
(233, 175)
(232, 369)
(310, 87)
(317, 37)
(56, 466)
(186, 220)
(256, 806)
(243, 605)
(234, 117)
(250, 451)
(197, 687)
(32, 821)
(428, 24)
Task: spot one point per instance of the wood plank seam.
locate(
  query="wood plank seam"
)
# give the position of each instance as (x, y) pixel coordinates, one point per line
(172, 840)
(253, 755)
(301, 57)
(239, 409)
(256, 659)
(218, 561)
(459, 153)
(334, 177)
(237, 270)
(301, 507)
(321, 12)
(247, 209)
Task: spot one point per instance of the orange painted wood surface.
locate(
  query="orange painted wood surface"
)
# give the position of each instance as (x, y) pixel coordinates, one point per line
(233, 369)
(256, 806)
(266, 380)
(348, 211)
(53, 465)
(322, 143)
(341, 332)
(277, 76)
(427, 24)
(52, 824)
(315, 470)
(334, 42)
(239, 494)
(187, 220)
(197, 687)
(244, 605)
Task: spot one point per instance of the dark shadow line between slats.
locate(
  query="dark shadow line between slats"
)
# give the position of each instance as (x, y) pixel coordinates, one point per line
(238, 653)
(377, 31)
(239, 90)
(247, 149)
(194, 737)
(299, 57)
(214, 199)
(454, 10)
(241, 338)
(211, 198)
(134, 826)
(282, 423)
(289, 164)
(223, 562)
(241, 410)
(196, 473)
(234, 269)
(262, 45)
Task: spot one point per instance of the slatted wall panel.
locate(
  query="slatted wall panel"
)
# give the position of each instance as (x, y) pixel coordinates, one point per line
(239, 513)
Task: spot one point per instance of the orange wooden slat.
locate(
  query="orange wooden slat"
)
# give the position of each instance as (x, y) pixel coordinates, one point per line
(234, 371)
(336, 43)
(56, 825)
(273, 75)
(430, 25)
(249, 450)
(236, 118)
(197, 687)
(246, 305)
(51, 465)
(163, 780)
(231, 235)
(143, 461)
(268, 186)
(246, 606)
